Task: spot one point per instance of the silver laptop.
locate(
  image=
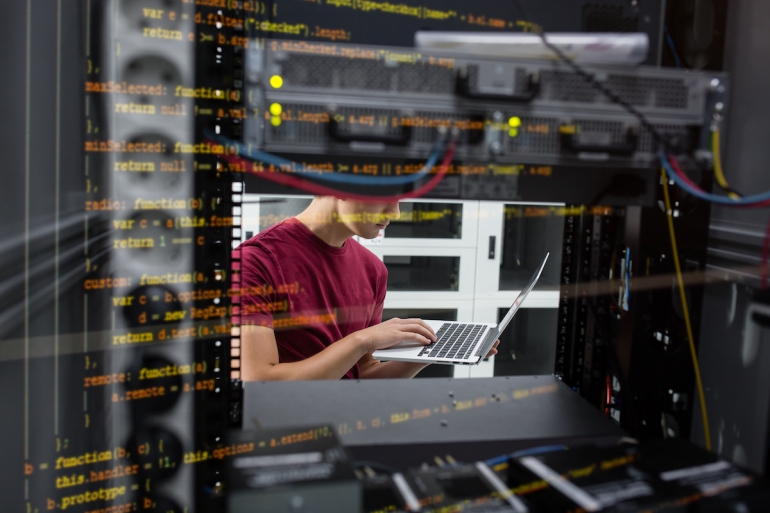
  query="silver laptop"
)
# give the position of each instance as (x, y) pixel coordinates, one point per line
(458, 342)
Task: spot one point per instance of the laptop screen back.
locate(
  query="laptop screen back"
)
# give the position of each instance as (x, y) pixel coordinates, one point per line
(520, 298)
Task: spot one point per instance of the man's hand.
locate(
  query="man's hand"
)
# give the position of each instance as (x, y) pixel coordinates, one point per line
(493, 350)
(394, 331)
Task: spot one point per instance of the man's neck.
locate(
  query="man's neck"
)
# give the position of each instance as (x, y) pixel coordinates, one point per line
(321, 219)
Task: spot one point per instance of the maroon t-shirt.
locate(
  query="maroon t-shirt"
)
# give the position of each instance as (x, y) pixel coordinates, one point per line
(310, 293)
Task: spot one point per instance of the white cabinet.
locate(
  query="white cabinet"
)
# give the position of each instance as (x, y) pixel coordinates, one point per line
(433, 223)
(513, 238)
(427, 273)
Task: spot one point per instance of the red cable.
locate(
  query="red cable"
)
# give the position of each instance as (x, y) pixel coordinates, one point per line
(314, 188)
(764, 204)
(683, 176)
(765, 243)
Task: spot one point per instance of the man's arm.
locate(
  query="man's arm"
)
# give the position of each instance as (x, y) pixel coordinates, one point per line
(259, 351)
(259, 358)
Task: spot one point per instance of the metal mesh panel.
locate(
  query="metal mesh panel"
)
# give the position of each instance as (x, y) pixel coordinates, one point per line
(424, 79)
(529, 141)
(566, 87)
(634, 90)
(366, 75)
(648, 92)
(307, 71)
(639, 91)
(671, 94)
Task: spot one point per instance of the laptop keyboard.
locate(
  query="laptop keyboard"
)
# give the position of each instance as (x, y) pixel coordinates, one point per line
(454, 341)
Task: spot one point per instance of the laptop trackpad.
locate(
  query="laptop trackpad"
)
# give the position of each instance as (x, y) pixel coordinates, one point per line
(405, 344)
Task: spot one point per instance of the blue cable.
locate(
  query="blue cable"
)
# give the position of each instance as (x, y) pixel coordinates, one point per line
(673, 49)
(524, 452)
(538, 450)
(746, 200)
(277, 161)
(496, 461)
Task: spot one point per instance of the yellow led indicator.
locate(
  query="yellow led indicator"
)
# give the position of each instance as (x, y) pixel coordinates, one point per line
(276, 81)
(513, 132)
(514, 121)
(275, 121)
(276, 109)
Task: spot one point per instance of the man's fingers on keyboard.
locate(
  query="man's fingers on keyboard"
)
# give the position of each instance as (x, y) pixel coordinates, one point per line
(419, 338)
(414, 320)
(422, 330)
(427, 326)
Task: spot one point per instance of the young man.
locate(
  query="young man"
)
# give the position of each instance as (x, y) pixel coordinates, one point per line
(312, 298)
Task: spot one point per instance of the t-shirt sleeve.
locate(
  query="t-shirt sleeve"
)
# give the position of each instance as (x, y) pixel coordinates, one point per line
(259, 298)
(382, 288)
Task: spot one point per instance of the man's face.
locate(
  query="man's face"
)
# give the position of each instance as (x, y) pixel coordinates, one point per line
(367, 219)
